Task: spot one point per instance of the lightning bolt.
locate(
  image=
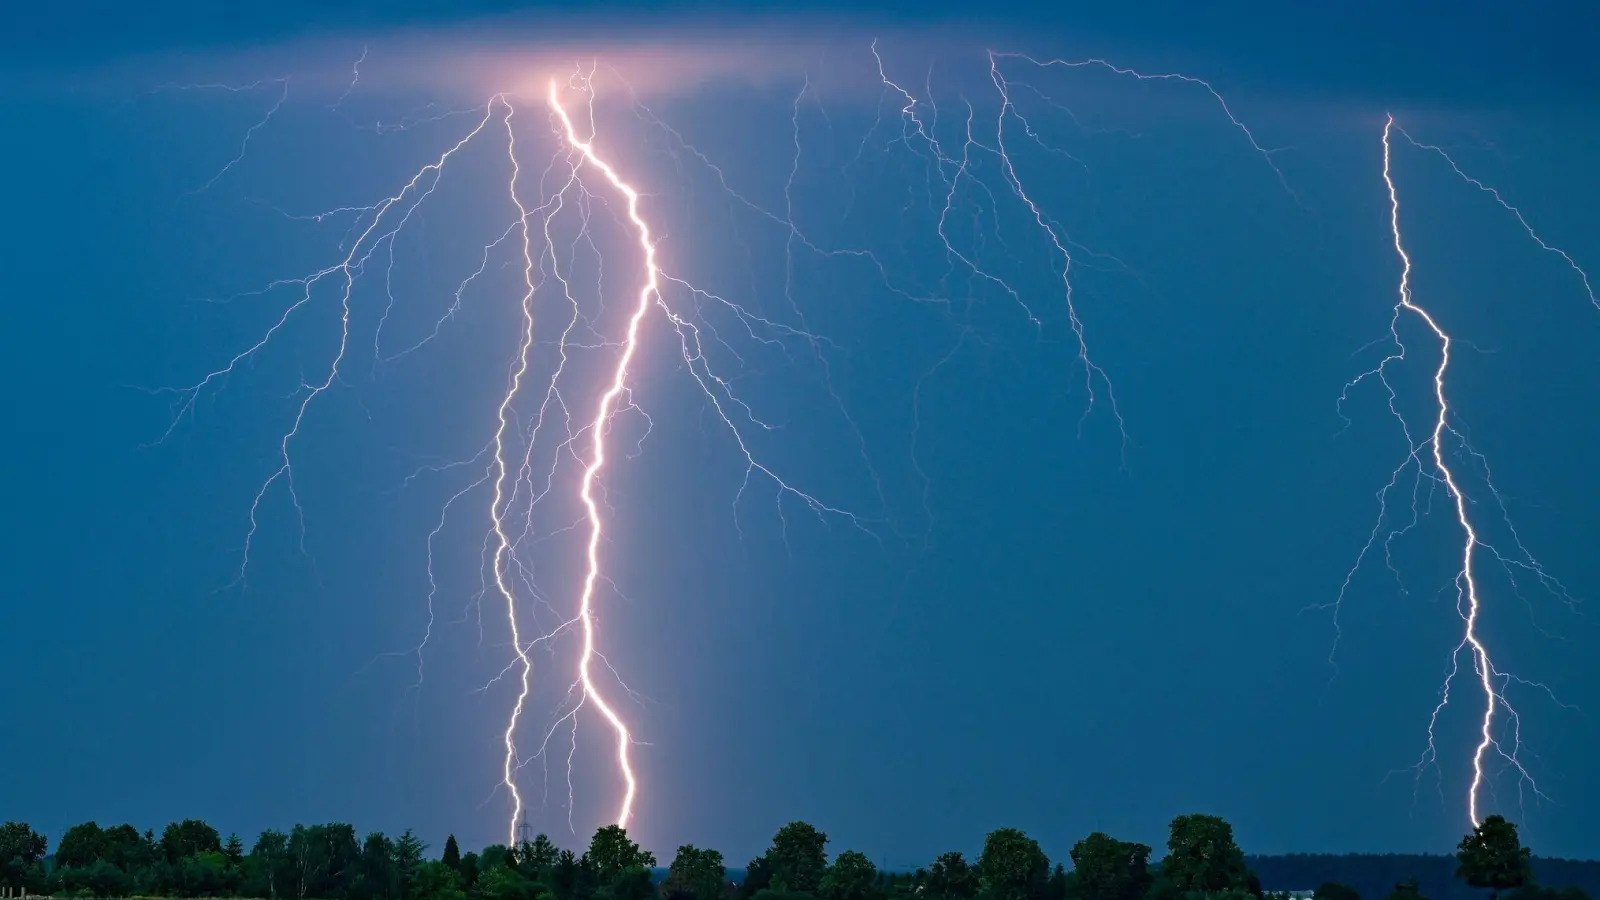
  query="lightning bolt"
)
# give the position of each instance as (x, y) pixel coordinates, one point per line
(498, 507)
(1466, 580)
(648, 293)
(386, 220)
(1426, 457)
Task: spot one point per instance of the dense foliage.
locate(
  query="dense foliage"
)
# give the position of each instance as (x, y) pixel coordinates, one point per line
(328, 862)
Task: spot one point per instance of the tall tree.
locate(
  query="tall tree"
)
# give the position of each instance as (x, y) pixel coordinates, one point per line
(1012, 866)
(375, 872)
(695, 874)
(344, 855)
(19, 841)
(124, 847)
(267, 867)
(305, 858)
(323, 857)
(1203, 857)
(80, 846)
(452, 853)
(537, 857)
(471, 867)
(21, 850)
(408, 850)
(798, 857)
(188, 838)
(1105, 868)
(612, 854)
(852, 876)
(1492, 856)
(950, 878)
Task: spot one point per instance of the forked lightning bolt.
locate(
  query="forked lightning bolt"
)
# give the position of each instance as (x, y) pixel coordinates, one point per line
(649, 292)
(506, 465)
(498, 507)
(1427, 458)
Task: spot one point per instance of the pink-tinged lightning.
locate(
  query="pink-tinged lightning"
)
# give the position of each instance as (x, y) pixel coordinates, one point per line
(1522, 220)
(1090, 369)
(1429, 456)
(1466, 580)
(347, 268)
(498, 507)
(597, 443)
(1267, 153)
(514, 484)
(952, 172)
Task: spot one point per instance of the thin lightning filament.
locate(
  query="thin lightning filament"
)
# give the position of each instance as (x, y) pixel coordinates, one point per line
(497, 508)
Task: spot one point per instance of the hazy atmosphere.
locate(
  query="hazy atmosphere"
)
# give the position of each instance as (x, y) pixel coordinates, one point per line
(1011, 439)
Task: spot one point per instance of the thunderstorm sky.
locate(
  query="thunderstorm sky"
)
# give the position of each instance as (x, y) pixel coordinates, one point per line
(1038, 617)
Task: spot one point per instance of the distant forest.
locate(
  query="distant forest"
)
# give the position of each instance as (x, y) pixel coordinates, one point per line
(1373, 875)
(191, 859)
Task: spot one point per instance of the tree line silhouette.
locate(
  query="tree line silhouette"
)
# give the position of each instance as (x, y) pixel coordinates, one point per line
(328, 862)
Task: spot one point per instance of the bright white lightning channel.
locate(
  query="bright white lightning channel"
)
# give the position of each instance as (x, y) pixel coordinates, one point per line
(1429, 457)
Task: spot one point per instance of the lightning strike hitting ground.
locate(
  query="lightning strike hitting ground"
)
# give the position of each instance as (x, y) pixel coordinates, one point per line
(497, 506)
(515, 486)
(1427, 458)
(649, 292)
(539, 451)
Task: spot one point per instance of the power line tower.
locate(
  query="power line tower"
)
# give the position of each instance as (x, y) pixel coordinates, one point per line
(524, 831)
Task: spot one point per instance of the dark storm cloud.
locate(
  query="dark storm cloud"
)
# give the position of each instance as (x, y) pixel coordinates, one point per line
(1478, 54)
(652, 53)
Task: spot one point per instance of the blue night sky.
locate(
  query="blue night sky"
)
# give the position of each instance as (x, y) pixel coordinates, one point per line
(1040, 622)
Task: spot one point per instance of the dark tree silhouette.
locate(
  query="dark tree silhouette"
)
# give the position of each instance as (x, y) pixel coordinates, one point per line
(1105, 868)
(1492, 856)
